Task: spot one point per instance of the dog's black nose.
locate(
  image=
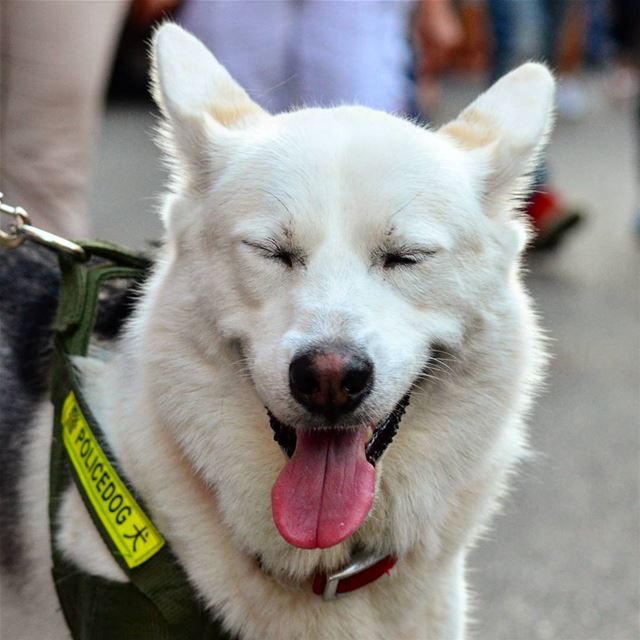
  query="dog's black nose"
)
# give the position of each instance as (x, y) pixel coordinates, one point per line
(330, 382)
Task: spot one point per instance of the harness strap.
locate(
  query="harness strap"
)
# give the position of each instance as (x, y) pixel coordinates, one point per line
(158, 602)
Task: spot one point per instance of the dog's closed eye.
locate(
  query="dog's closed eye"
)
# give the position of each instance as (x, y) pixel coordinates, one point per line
(404, 256)
(272, 249)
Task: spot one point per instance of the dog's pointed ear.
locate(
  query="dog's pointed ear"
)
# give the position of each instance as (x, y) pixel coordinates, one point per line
(196, 95)
(505, 129)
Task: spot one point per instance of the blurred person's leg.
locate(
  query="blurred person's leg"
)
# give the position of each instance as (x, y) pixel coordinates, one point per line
(502, 17)
(355, 51)
(625, 29)
(510, 19)
(596, 36)
(438, 37)
(567, 25)
(638, 166)
(251, 38)
(553, 16)
(515, 25)
(55, 57)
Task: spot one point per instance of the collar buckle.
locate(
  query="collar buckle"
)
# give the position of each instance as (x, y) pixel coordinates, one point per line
(362, 570)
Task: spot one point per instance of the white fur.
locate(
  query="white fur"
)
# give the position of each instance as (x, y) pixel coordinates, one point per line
(185, 413)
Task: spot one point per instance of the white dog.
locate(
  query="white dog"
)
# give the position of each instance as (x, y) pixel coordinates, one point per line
(322, 266)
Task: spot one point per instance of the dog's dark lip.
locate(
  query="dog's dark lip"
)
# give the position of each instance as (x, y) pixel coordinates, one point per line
(386, 430)
(284, 435)
(381, 437)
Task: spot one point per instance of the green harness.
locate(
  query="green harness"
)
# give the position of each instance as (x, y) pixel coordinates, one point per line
(158, 602)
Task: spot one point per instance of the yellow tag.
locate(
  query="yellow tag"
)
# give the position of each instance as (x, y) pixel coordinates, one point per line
(132, 532)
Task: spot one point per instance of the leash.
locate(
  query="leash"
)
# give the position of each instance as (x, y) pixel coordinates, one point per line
(157, 603)
(21, 229)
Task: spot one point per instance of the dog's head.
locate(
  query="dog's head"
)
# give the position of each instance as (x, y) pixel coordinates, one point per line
(329, 257)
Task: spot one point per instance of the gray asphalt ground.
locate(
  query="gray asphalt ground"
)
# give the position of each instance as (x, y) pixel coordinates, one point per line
(563, 560)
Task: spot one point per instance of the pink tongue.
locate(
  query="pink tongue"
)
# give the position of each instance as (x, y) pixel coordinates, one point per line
(325, 491)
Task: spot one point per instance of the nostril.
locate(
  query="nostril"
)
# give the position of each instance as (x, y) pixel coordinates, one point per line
(358, 377)
(330, 382)
(302, 376)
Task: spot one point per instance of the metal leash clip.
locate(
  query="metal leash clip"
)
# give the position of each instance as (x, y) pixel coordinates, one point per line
(21, 229)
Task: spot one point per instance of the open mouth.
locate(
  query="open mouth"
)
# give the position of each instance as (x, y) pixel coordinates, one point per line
(325, 491)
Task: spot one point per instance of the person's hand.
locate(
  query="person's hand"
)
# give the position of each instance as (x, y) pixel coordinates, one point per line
(146, 12)
(437, 31)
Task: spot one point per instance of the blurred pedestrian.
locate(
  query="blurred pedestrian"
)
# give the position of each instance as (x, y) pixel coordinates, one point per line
(626, 33)
(292, 52)
(550, 217)
(55, 59)
(54, 63)
(436, 33)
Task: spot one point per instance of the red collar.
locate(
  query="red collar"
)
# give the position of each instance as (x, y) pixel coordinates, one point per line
(362, 571)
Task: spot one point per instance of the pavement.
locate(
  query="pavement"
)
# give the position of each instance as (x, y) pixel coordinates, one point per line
(562, 561)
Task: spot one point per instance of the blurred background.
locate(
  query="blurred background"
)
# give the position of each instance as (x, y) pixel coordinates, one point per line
(76, 150)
